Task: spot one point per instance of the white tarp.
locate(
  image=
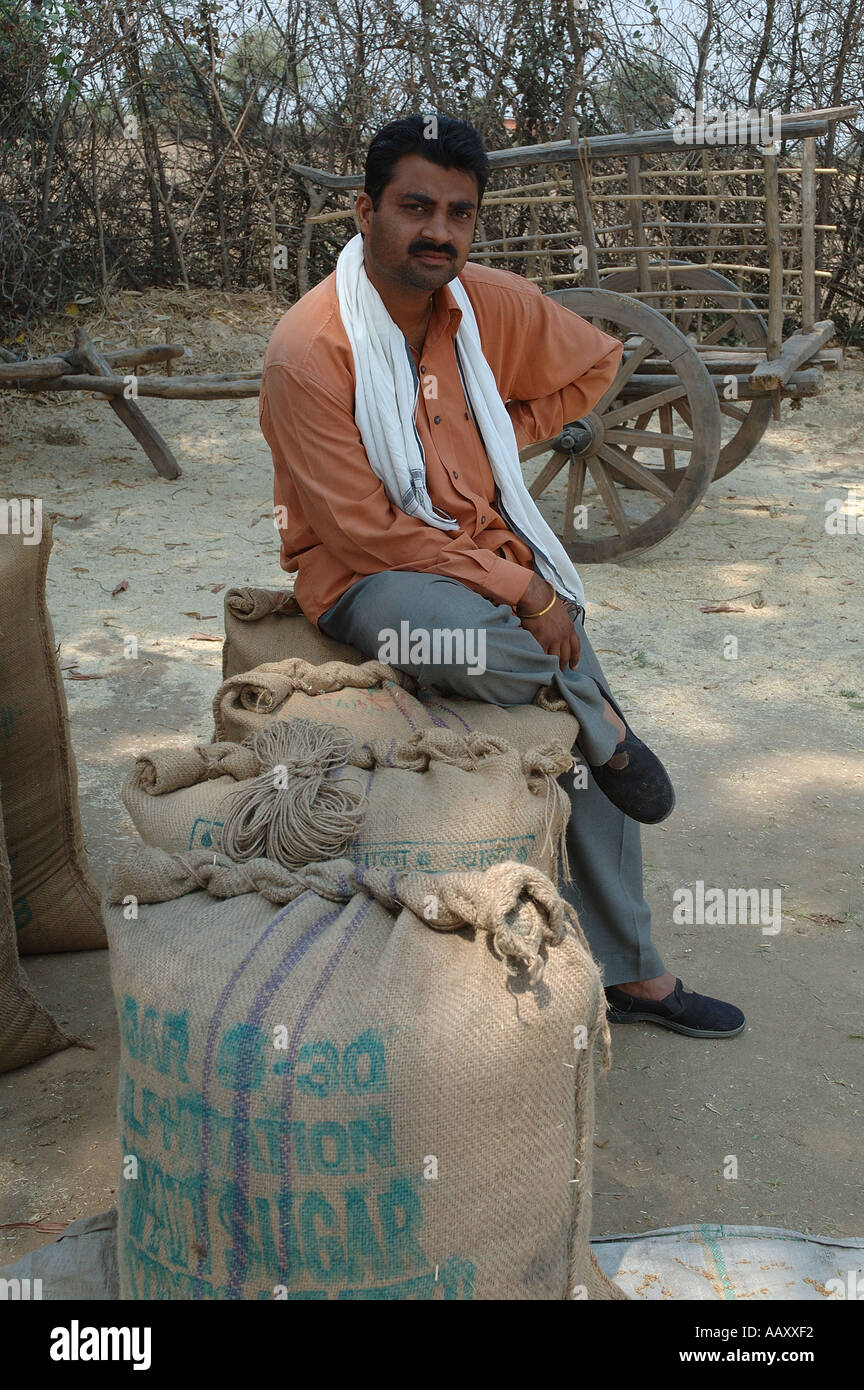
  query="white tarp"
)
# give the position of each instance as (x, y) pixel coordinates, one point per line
(733, 1262)
(80, 1264)
(680, 1263)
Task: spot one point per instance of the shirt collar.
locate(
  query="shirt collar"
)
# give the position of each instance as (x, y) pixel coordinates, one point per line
(446, 317)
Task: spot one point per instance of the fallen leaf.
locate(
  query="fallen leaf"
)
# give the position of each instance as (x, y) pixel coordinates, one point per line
(79, 676)
(204, 637)
(67, 665)
(187, 614)
(607, 604)
(719, 608)
(219, 587)
(79, 569)
(121, 588)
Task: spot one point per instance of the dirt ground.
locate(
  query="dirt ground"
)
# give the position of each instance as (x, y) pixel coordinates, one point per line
(765, 751)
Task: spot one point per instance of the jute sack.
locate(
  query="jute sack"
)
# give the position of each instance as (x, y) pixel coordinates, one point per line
(341, 1084)
(27, 1031)
(303, 791)
(269, 625)
(373, 701)
(56, 904)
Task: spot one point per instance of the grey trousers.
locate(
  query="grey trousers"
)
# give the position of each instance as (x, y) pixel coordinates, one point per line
(603, 845)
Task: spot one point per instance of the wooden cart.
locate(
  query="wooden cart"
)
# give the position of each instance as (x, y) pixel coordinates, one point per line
(705, 362)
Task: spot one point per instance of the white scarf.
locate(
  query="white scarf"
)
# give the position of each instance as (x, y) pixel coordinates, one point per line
(386, 397)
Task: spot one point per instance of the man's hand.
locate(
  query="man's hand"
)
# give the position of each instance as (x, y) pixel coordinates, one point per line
(554, 631)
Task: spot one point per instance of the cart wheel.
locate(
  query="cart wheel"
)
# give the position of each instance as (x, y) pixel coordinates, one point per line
(711, 319)
(614, 448)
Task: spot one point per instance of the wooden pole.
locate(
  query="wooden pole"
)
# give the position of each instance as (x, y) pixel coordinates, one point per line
(178, 388)
(317, 198)
(132, 416)
(634, 208)
(603, 146)
(582, 200)
(774, 246)
(809, 290)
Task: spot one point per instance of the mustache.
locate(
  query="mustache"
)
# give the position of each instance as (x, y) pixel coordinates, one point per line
(419, 247)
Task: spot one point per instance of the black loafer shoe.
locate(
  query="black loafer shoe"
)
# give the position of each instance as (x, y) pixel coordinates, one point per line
(684, 1011)
(634, 779)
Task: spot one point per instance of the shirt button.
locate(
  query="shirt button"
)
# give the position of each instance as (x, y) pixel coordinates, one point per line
(482, 521)
(466, 415)
(437, 419)
(422, 369)
(455, 475)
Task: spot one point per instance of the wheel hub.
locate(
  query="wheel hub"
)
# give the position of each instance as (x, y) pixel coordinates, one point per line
(580, 437)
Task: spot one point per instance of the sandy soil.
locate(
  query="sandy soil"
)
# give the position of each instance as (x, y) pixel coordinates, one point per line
(765, 750)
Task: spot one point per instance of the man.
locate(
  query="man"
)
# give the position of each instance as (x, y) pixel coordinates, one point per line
(394, 399)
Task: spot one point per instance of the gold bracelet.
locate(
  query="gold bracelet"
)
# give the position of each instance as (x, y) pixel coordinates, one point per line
(542, 610)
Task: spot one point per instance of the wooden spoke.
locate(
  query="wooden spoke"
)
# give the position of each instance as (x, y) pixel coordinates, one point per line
(641, 422)
(532, 451)
(644, 406)
(547, 473)
(645, 477)
(650, 439)
(688, 319)
(684, 411)
(635, 360)
(717, 333)
(666, 427)
(575, 487)
(606, 488)
(734, 411)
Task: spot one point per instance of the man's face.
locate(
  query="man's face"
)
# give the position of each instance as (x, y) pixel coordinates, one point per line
(421, 232)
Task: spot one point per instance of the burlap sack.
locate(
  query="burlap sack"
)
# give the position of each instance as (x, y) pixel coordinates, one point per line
(376, 701)
(438, 801)
(269, 625)
(27, 1031)
(324, 1095)
(56, 903)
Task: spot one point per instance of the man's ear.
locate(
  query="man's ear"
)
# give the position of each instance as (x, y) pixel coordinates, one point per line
(363, 210)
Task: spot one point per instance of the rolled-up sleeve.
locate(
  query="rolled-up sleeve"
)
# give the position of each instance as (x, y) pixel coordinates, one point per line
(563, 367)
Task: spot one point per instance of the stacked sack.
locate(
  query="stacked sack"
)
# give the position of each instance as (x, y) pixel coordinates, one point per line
(299, 790)
(358, 1023)
(48, 901)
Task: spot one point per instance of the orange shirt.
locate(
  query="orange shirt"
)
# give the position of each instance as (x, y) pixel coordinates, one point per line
(550, 366)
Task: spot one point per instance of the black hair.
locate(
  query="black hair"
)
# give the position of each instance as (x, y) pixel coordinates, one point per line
(440, 139)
